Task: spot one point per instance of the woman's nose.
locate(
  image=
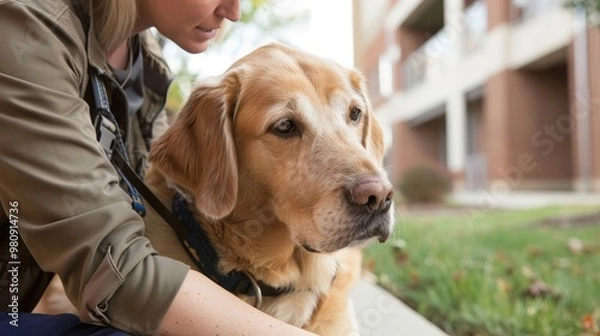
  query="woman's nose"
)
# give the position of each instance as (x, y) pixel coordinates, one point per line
(229, 9)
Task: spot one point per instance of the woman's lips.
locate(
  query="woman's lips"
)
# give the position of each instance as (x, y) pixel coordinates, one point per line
(206, 34)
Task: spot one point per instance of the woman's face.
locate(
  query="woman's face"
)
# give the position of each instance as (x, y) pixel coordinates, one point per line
(188, 23)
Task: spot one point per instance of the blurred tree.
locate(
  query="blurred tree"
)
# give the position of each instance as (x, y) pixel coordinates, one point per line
(591, 6)
(266, 18)
(180, 89)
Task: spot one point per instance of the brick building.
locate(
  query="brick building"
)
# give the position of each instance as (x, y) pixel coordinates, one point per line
(497, 93)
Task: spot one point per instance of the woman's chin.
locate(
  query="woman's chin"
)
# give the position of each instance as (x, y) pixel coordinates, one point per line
(194, 47)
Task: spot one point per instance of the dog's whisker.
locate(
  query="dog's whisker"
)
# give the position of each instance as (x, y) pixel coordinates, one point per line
(398, 212)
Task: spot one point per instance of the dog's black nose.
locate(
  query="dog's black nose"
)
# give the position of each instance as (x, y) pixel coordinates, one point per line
(372, 193)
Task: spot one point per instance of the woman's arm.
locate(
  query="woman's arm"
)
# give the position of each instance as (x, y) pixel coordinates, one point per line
(73, 216)
(201, 307)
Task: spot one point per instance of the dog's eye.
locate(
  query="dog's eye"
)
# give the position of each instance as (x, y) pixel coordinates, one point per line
(355, 114)
(284, 128)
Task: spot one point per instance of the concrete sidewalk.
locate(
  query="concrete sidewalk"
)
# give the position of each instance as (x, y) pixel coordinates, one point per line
(381, 314)
(524, 199)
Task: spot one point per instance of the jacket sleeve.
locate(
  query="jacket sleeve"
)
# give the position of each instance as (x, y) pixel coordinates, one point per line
(73, 216)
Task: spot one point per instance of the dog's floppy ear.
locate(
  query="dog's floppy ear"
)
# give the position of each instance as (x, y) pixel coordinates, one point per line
(198, 153)
(373, 133)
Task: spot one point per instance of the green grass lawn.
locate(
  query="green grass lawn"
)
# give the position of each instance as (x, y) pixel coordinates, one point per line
(478, 273)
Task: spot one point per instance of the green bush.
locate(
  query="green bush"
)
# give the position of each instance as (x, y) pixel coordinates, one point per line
(424, 185)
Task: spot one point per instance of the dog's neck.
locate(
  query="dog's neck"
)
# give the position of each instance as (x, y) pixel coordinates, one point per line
(252, 239)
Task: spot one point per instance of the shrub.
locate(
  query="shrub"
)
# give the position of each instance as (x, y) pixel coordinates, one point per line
(424, 185)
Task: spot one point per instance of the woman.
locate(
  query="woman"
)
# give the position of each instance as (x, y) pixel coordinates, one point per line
(63, 208)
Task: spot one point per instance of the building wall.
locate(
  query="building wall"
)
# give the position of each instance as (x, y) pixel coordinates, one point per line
(417, 146)
(594, 71)
(576, 99)
(496, 106)
(529, 144)
(525, 124)
(540, 107)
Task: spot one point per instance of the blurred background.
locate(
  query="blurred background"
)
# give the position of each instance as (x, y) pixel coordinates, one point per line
(492, 117)
(497, 95)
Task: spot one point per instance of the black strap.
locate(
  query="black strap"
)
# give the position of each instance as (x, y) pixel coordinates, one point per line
(149, 196)
(101, 113)
(206, 258)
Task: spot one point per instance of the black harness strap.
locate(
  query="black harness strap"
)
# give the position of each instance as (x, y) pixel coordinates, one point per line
(208, 258)
(111, 139)
(118, 161)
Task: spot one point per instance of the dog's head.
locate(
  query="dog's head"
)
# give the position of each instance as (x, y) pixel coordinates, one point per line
(283, 137)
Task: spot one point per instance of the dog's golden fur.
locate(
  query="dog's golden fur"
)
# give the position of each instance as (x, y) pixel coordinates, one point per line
(265, 154)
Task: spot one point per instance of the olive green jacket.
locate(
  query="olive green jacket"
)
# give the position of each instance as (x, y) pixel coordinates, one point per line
(73, 219)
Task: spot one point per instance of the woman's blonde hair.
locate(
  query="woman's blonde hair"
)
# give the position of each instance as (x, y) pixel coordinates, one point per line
(114, 21)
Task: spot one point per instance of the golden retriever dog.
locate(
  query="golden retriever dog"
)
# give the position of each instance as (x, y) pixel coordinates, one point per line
(280, 161)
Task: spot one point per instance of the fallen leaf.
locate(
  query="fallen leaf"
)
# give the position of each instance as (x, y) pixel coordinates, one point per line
(590, 249)
(370, 265)
(575, 245)
(532, 310)
(502, 256)
(503, 285)
(576, 269)
(588, 322)
(561, 263)
(385, 279)
(591, 322)
(527, 272)
(401, 257)
(458, 275)
(535, 251)
(539, 289)
(415, 278)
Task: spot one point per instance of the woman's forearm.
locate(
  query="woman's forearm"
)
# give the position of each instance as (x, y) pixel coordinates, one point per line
(201, 307)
